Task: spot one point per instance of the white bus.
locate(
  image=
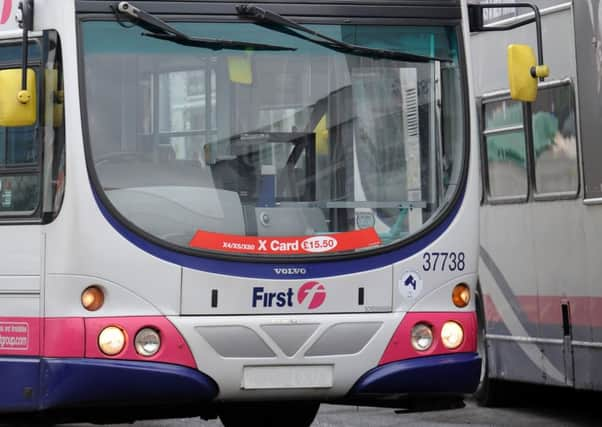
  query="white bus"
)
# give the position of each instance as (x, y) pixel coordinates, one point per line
(539, 268)
(212, 208)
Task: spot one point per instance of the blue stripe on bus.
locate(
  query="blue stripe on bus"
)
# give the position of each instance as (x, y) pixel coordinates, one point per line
(266, 270)
(19, 384)
(453, 373)
(81, 382)
(32, 384)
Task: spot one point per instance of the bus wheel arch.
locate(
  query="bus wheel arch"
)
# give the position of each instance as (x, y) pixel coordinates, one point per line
(488, 393)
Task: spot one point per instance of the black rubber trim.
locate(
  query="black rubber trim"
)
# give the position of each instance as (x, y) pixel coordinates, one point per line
(433, 9)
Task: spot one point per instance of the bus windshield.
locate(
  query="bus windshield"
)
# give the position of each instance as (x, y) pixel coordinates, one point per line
(297, 152)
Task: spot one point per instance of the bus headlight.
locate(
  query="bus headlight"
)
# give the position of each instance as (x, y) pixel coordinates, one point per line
(111, 340)
(461, 295)
(422, 337)
(147, 342)
(452, 335)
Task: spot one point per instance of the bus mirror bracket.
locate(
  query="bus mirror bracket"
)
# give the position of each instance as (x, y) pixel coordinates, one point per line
(535, 70)
(18, 99)
(25, 19)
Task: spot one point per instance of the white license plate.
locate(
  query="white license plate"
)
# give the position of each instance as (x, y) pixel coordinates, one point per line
(283, 377)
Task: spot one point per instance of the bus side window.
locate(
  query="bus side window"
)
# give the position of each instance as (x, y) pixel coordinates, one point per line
(20, 159)
(555, 141)
(505, 150)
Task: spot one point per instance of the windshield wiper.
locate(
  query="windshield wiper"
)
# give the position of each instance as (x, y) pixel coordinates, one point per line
(277, 22)
(160, 29)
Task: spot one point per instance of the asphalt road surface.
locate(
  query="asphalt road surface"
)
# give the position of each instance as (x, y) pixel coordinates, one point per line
(529, 406)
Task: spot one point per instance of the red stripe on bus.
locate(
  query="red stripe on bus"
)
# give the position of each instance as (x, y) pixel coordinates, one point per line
(491, 313)
(584, 311)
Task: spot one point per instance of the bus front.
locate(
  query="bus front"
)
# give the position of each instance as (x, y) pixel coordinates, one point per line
(286, 190)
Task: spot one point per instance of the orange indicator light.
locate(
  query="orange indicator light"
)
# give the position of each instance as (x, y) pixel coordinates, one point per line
(461, 295)
(93, 298)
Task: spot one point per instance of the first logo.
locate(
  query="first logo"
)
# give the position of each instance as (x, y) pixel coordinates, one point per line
(7, 6)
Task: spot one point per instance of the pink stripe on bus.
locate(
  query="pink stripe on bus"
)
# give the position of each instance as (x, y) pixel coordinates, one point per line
(174, 348)
(64, 337)
(78, 337)
(6, 9)
(19, 336)
(400, 347)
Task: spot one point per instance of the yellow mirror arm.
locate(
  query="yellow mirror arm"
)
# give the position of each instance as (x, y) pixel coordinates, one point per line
(540, 71)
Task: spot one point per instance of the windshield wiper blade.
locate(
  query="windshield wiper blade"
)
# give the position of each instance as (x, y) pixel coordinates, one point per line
(160, 29)
(273, 20)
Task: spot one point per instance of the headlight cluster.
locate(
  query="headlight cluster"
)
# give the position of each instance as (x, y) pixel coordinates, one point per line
(452, 336)
(112, 341)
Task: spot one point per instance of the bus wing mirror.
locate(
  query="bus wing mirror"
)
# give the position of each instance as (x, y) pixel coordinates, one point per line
(17, 107)
(523, 73)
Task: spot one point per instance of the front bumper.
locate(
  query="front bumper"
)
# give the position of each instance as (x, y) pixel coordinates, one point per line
(453, 373)
(95, 382)
(58, 383)
(225, 348)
